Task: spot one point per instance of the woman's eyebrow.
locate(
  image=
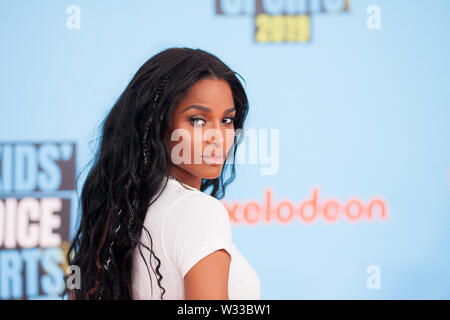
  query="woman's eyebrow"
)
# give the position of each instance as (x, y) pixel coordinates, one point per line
(205, 109)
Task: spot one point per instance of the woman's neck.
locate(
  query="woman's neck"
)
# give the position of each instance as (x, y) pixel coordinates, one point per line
(185, 178)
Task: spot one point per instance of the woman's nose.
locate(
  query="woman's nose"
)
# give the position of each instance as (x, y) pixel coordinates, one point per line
(216, 137)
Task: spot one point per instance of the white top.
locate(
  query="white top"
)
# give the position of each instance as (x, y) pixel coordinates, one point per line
(186, 226)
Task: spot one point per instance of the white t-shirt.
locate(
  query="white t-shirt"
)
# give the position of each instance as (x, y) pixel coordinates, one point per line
(186, 226)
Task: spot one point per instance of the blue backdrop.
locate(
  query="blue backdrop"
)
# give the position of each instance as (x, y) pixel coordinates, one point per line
(359, 94)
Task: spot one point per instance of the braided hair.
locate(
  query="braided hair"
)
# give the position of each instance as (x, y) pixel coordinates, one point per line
(132, 163)
(142, 170)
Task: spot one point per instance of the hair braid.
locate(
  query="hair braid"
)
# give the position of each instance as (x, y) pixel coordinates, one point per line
(135, 202)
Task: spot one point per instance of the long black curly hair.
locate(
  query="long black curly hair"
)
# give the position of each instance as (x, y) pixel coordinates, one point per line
(131, 164)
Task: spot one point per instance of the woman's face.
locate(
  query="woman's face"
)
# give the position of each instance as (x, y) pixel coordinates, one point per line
(202, 131)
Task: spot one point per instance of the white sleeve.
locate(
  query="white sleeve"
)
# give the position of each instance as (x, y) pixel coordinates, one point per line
(195, 226)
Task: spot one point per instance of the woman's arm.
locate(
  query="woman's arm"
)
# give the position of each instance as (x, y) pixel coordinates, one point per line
(208, 278)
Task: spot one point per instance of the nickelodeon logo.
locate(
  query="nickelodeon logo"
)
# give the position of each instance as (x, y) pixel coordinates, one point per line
(308, 211)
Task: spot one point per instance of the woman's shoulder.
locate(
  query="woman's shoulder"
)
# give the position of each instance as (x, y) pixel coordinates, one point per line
(191, 206)
(190, 200)
(197, 202)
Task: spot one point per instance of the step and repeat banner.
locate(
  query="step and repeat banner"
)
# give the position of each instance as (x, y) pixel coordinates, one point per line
(347, 193)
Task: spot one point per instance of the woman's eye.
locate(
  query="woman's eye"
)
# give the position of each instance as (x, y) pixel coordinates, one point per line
(195, 123)
(231, 120)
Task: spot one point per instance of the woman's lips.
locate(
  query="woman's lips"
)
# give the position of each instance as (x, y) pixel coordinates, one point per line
(216, 160)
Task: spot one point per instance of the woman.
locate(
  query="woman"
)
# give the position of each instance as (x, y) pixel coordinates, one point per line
(146, 216)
